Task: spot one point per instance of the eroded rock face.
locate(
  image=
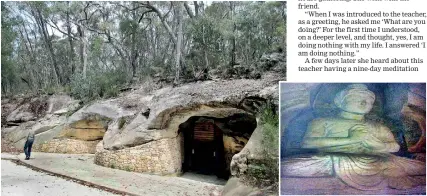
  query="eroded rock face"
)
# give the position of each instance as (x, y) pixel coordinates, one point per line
(168, 109)
(61, 104)
(104, 110)
(30, 110)
(232, 146)
(21, 110)
(247, 159)
(139, 122)
(189, 99)
(249, 154)
(134, 133)
(39, 114)
(79, 137)
(17, 134)
(86, 130)
(170, 142)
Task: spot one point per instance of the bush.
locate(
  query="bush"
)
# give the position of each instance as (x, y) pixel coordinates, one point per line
(97, 85)
(262, 174)
(266, 170)
(54, 89)
(269, 120)
(127, 168)
(122, 122)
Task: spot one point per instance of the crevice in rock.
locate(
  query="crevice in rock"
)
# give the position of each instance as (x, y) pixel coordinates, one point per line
(162, 119)
(252, 104)
(136, 144)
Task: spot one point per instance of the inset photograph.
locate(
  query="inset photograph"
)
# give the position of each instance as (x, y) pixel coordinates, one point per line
(141, 97)
(353, 138)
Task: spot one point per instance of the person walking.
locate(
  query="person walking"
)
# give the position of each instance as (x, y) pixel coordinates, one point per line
(29, 144)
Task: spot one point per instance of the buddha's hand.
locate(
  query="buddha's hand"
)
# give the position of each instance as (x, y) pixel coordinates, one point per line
(358, 132)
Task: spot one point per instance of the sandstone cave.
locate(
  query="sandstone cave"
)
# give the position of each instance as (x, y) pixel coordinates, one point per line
(210, 143)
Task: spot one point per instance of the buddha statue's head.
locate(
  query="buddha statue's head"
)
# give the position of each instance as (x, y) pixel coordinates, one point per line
(356, 98)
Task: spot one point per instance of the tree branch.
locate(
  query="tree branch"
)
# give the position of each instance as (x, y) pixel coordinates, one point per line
(162, 18)
(142, 16)
(128, 9)
(187, 7)
(55, 26)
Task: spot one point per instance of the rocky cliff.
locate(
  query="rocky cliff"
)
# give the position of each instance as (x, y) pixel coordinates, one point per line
(140, 129)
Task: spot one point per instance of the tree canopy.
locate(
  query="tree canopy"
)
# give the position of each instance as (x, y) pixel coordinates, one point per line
(91, 48)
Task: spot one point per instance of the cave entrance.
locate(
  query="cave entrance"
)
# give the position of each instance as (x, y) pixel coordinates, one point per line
(204, 149)
(210, 143)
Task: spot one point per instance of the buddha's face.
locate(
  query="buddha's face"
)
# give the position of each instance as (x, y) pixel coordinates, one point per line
(358, 103)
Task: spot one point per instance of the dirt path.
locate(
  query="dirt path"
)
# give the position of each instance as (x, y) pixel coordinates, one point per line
(82, 167)
(19, 180)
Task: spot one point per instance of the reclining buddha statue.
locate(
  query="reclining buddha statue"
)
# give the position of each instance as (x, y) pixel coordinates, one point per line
(354, 150)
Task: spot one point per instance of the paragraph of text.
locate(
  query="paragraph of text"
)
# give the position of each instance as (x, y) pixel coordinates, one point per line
(363, 40)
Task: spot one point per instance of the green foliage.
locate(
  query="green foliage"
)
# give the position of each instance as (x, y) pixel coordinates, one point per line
(122, 122)
(127, 168)
(258, 28)
(109, 36)
(266, 170)
(9, 72)
(96, 46)
(263, 29)
(264, 173)
(271, 138)
(268, 114)
(97, 85)
(269, 121)
(128, 26)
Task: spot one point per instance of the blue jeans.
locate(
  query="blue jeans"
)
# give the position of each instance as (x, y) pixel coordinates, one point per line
(27, 148)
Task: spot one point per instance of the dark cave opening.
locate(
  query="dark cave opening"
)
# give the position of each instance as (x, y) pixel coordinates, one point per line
(210, 143)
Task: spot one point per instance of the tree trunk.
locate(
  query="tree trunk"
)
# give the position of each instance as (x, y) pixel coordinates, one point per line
(4, 88)
(70, 40)
(205, 46)
(164, 22)
(38, 71)
(205, 49)
(178, 43)
(42, 27)
(84, 52)
(187, 7)
(233, 38)
(27, 37)
(196, 8)
(134, 51)
(134, 56)
(153, 41)
(29, 51)
(83, 49)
